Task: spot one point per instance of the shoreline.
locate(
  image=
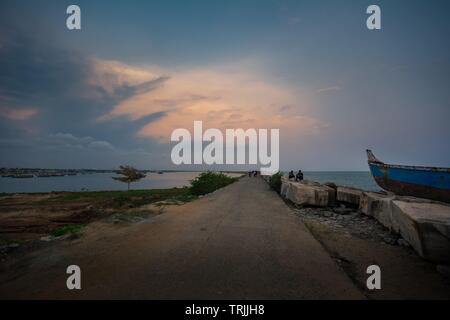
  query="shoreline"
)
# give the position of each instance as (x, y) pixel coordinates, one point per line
(96, 182)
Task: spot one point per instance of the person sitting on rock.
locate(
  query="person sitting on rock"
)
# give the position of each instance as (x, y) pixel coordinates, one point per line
(291, 175)
(299, 176)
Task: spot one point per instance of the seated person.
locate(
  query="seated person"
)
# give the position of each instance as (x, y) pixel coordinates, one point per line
(299, 176)
(291, 175)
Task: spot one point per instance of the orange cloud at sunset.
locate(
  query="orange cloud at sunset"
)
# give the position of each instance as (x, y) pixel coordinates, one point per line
(231, 96)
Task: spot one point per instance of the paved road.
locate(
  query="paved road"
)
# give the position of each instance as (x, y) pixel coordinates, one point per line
(241, 242)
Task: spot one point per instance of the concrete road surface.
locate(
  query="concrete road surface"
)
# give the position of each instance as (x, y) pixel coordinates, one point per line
(241, 242)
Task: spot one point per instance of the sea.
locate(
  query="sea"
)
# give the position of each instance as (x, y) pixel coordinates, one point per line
(357, 179)
(103, 181)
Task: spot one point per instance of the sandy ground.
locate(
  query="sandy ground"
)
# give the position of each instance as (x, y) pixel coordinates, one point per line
(241, 242)
(26, 217)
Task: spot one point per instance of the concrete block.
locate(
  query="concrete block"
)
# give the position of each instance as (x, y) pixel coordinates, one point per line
(426, 227)
(348, 195)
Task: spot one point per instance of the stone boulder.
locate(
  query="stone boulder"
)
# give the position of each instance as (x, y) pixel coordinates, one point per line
(348, 195)
(378, 205)
(285, 185)
(310, 194)
(308, 182)
(331, 185)
(426, 227)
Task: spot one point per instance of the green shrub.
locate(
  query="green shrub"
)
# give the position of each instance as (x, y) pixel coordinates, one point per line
(208, 182)
(70, 228)
(275, 181)
(121, 200)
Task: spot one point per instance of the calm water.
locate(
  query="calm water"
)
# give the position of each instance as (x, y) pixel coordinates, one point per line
(357, 179)
(95, 182)
(104, 181)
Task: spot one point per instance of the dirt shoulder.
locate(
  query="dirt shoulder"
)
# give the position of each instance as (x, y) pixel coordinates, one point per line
(356, 241)
(28, 217)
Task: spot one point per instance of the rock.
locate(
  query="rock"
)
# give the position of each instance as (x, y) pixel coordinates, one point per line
(311, 194)
(389, 240)
(309, 183)
(377, 205)
(331, 185)
(425, 226)
(403, 243)
(327, 214)
(348, 195)
(444, 270)
(343, 210)
(285, 185)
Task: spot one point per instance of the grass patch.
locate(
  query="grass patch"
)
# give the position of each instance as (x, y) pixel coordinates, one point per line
(185, 196)
(67, 229)
(131, 198)
(119, 194)
(208, 182)
(275, 182)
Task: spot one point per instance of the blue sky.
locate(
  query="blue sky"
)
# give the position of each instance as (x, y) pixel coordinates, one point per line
(112, 92)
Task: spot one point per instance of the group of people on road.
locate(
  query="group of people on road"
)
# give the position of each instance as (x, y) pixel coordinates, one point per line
(253, 173)
(297, 177)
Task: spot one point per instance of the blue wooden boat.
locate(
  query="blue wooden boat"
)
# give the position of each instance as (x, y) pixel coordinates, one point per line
(423, 182)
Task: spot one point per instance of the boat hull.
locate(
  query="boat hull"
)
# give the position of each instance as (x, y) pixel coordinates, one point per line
(413, 181)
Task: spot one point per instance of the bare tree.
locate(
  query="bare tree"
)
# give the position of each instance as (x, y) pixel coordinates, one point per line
(129, 174)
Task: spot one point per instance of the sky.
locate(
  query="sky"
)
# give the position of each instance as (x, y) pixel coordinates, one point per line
(112, 93)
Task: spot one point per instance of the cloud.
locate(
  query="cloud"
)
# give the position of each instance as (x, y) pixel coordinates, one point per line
(112, 108)
(111, 78)
(45, 90)
(224, 96)
(101, 145)
(69, 140)
(328, 89)
(17, 114)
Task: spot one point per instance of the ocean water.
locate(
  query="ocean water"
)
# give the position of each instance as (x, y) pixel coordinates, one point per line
(356, 179)
(104, 181)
